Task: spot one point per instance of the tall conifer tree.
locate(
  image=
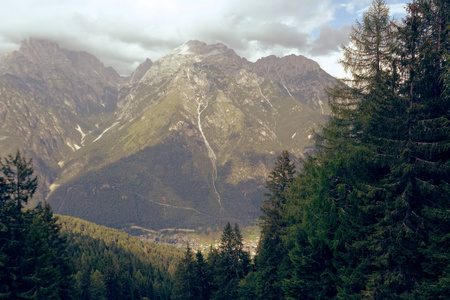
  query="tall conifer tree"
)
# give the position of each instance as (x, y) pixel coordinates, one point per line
(271, 259)
(376, 192)
(184, 284)
(17, 186)
(230, 265)
(202, 289)
(33, 261)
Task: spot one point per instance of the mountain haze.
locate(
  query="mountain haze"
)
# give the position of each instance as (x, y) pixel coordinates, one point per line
(186, 141)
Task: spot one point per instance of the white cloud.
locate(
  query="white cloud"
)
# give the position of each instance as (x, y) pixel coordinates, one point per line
(122, 33)
(330, 63)
(397, 9)
(355, 5)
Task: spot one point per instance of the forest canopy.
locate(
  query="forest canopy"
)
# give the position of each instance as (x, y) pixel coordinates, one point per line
(368, 214)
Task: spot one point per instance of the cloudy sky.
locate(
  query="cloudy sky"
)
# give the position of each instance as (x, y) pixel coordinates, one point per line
(123, 33)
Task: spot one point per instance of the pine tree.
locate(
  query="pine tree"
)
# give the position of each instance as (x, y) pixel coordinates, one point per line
(364, 117)
(212, 263)
(201, 278)
(375, 195)
(247, 287)
(272, 257)
(97, 288)
(33, 260)
(370, 48)
(406, 135)
(401, 127)
(314, 218)
(46, 273)
(419, 171)
(184, 284)
(17, 186)
(230, 265)
(82, 277)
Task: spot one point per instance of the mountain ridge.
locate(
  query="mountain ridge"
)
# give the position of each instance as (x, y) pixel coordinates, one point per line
(223, 117)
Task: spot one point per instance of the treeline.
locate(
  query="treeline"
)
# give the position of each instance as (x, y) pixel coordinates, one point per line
(46, 257)
(368, 214)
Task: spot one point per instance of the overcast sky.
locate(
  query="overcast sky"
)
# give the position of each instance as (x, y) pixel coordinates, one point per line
(123, 33)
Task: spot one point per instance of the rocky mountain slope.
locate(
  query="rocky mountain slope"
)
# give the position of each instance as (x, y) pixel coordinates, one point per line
(186, 141)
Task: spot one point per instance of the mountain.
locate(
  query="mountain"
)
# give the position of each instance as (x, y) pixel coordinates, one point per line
(186, 141)
(46, 96)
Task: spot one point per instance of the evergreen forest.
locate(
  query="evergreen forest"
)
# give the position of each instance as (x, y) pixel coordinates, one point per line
(43, 256)
(365, 216)
(368, 214)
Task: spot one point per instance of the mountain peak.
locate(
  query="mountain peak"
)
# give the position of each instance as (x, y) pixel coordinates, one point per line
(194, 53)
(202, 50)
(32, 53)
(289, 61)
(194, 44)
(40, 58)
(141, 70)
(41, 50)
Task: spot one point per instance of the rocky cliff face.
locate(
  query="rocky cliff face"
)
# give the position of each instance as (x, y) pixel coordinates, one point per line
(48, 96)
(185, 141)
(301, 78)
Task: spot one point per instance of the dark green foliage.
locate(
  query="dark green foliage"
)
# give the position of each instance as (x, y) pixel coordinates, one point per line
(424, 163)
(17, 184)
(247, 287)
(230, 265)
(272, 260)
(36, 260)
(33, 260)
(191, 277)
(46, 266)
(218, 277)
(279, 179)
(185, 279)
(202, 289)
(313, 220)
(97, 287)
(128, 267)
(368, 215)
(407, 138)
